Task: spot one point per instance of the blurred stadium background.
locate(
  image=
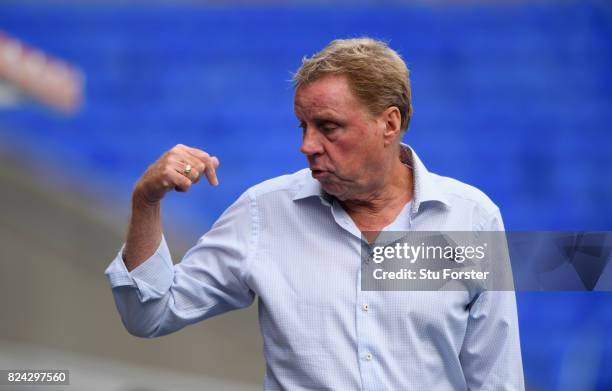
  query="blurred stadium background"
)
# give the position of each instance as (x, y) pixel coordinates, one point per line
(514, 97)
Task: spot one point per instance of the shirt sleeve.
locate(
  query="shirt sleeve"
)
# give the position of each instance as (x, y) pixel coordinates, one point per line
(491, 353)
(157, 298)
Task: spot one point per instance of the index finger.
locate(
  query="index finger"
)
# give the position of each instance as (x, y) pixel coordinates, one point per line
(211, 171)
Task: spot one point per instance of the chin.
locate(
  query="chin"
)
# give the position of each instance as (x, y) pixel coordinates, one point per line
(330, 187)
(335, 187)
(335, 190)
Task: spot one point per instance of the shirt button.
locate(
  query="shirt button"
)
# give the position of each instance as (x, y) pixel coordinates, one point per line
(365, 307)
(368, 356)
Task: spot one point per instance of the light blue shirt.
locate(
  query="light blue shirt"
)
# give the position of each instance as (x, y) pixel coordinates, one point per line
(296, 249)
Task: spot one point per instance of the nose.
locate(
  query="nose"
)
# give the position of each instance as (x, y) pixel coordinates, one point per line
(311, 144)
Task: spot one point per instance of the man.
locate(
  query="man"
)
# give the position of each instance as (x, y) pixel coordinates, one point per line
(294, 241)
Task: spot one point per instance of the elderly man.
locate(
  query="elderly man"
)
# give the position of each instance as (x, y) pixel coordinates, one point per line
(295, 241)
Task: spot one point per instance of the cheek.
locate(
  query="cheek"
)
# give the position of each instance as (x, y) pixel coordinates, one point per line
(353, 151)
(341, 154)
(347, 159)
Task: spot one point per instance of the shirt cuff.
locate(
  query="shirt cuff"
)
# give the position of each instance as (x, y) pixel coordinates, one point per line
(152, 278)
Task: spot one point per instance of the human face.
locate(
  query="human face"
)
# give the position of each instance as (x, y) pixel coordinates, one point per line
(343, 142)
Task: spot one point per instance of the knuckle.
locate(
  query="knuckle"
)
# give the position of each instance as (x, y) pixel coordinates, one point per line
(167, 171)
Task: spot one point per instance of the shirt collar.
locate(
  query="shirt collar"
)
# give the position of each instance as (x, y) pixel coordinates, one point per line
(425, 190)
(310, 187)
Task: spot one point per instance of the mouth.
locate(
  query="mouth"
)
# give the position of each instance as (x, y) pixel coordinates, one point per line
(318, 173)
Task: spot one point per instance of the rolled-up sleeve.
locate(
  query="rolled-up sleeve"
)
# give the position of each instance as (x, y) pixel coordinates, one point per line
(491, 352)
(157, 298)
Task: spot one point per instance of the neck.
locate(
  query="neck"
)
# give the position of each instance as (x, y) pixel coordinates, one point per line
(378, 208)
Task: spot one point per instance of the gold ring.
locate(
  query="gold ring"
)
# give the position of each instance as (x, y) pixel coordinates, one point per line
(187, 169)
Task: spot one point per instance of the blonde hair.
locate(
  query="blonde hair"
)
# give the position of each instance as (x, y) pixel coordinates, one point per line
(377, 75)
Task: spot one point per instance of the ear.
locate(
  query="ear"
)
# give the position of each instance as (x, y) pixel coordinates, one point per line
(393, 122)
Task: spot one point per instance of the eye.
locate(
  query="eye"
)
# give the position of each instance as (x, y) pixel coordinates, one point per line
(328, 127)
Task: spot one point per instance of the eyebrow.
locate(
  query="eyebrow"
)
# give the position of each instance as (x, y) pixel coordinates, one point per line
(324, 119)
(325, 116)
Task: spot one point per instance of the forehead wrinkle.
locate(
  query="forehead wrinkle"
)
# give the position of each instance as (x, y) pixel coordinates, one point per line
(328, 97)
(321, 105)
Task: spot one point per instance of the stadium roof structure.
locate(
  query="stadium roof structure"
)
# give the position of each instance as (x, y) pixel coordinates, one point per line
(26, 71)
